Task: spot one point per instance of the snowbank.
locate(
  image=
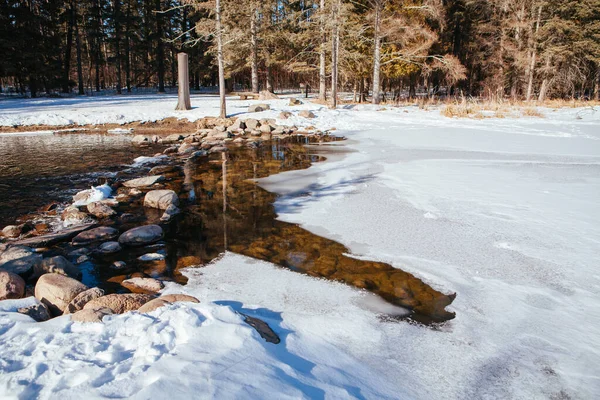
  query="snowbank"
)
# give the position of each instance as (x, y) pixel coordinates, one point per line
(504, 212)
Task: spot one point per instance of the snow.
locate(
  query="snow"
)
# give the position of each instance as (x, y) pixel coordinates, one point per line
(94, 194)
(504, 212)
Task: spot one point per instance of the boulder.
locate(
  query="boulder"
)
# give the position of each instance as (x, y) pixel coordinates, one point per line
(171, 150)
(165, 169)
(11, 231)
(258, 108)
(165, 301)
(82, 299)
(93, 315)
(187, 148)
(294, 102)
(140, 140)
(12, 286)
(143, 285)
(19, 260)
(306, 114)
(100, 210)
(174, 138)
(143, 182)
(98, 234)
(120, 303)
(161, 199)
(108, 248)
(39, 312)
(141, 236)
(56, 265)
(217, 135)
(151, 257)
(237, 125)
(285, 115)
(266, 95)
(266, 128)
(251, 124)
(56, 291)
(118, 265)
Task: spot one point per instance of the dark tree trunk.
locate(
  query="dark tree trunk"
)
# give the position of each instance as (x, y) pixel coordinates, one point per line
(66, 87)
(160, 51)
(78, 45)
(117, 24)
(127, 48)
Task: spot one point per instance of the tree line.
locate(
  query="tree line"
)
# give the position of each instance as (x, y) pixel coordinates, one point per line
(379, 50)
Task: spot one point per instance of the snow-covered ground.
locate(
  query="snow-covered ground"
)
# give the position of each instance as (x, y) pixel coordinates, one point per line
(504, 212)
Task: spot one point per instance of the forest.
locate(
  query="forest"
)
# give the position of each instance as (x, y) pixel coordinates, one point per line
(378, 50)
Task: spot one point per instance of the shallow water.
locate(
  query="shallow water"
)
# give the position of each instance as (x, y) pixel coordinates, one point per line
(37, 169)
(225, 210)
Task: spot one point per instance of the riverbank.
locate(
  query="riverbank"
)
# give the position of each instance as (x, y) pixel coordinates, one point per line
(501, 211)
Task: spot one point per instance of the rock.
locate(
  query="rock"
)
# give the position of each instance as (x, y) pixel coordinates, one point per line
(198, 154)
(143, 285)
(100, 210)
(56, 265)
(39, 312)
(237, 125)
(171, 150)
(294, 102)
(82, 299)
(82, 259)
(72, 216)
(12, 286)
(266, 128)
(216, 135)
(141, 235)
(143, 182)
(169, 213)
(140, 140)
(165, 169)
(306, 114)
(92, 315)
(267, 121)
(79, 252)
(266, 95)
(161, 199)
(165, 301)
(174, 138)
(263, 329)
(151, 257)
(187, 148)
(252, 123)
(258, 108)
(19, 260)
(99, 234)
(11, 231)
(285, 115)
(109, 248)
(54, 238)
(118, 265)
(56, 291)
(179, 297)
(120, 303)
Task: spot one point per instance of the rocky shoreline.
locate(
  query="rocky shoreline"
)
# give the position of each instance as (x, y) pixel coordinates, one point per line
(129, 217)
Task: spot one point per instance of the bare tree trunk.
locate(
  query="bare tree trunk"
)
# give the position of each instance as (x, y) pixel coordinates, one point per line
(117, 22)
(127, 48)
(377, 54)
(545, 83)
(254, 50)
(160, 52)
(269, 79)
(183, 102)
(533, 56)
(597, 87)
(322, 56)
(335, 45)
(220, 62)
(78, 47)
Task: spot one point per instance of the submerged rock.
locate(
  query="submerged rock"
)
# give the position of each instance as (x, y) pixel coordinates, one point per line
(141, 235)
(12, 286)
(108, 248)
(19, 260)
(169, 213)
(57, 291)
(95, 235)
